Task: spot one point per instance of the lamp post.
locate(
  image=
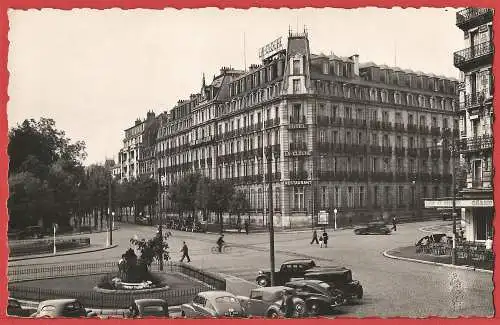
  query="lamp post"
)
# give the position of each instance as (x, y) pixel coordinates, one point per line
(335, 218)
(271, 219)
(453, 212)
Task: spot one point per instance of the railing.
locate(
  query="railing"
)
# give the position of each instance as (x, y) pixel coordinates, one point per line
(469, 14)
(386, 125)
(412, 128)
(22, 248)
(298, 175)
(400, 151)
(294, 119)
(298, 146)
(399, 126)
(323, 120)
(472, 100)
(484, 142)
(474, 52)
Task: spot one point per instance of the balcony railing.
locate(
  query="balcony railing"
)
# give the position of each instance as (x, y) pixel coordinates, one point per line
(473, 17)
(298, 146)
(412, 128)
(386, 125)
(399, 126)
(400, 151)
(473, 100)
(484, 142)
(298, 175)
(295, 119)
(468, 55)
(435, 130)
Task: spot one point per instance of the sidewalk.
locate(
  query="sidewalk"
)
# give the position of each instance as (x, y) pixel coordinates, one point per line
(409, 253)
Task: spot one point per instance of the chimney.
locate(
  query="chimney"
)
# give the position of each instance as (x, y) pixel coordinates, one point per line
(355, 59)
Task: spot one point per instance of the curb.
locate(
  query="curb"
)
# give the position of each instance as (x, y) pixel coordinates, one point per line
(61, 254)
(462, 267)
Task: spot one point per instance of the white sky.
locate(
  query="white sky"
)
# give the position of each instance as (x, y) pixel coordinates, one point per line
(96, 71)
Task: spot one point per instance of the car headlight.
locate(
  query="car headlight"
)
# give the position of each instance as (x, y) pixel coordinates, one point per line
(260, 272)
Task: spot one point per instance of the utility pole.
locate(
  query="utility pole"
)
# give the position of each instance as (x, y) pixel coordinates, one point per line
(110, 223)
(270, 205)
(453, 205)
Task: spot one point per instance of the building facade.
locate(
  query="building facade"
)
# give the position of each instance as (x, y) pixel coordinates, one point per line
(137, 154)
(338, 134)
(476, 120)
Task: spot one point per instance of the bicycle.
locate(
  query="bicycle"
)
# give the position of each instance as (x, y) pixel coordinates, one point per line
(225, 249)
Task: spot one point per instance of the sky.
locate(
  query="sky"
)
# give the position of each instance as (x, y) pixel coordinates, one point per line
(96, 71)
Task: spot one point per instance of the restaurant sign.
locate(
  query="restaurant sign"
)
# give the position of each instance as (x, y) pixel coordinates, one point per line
(271, 48)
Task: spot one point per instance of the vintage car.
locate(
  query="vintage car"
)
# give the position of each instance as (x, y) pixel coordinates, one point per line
(338, 277)
(14, 308)
(373, 228)
(148, 307)
(31, 232)
(213, 304)
(62, 308)
(267, 301)
(289, 270)
(319, 297)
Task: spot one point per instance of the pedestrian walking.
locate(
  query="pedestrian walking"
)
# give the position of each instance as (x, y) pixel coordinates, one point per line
(315, 237)
(350, 222)
(325, 238)
(185, 252)
(246, 227)
(321, 242)
(394, 222)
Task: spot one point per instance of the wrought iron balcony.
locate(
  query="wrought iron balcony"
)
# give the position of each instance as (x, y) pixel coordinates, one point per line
(423, 129)
(298, 175)
(399, 126)
(413, 128)
(476, 144)
(386, 125)
(400, 151)
(375, 124)
(473, 100)
(474, 55)
(298, 146)
(471, 17)
(435, 130)
(297, 119)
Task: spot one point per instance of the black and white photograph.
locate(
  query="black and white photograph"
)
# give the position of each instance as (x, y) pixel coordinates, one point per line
(275, 163)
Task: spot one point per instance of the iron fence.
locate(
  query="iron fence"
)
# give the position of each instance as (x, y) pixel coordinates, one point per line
(19, 289)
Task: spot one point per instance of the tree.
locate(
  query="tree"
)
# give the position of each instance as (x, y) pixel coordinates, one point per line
(221, 192)
(202, 196)
(239, 205)
(50, 166)
(152, 249)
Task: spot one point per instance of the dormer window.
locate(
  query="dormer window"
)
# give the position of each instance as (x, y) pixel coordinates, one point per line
(326, 67)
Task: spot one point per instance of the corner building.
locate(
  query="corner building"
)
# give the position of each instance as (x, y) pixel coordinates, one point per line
(359, 138)
(476, 120)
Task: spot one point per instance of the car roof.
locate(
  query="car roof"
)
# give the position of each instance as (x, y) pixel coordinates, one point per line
(58, 301)
(215, 294)
(299, 261)
(328, 269)
(148, 302)
(271, 289)
(306, 281)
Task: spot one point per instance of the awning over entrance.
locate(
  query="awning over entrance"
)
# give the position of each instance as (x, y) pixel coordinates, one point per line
(459, 203)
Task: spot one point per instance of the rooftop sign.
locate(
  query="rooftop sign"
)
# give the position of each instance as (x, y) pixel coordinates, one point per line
(271, 48)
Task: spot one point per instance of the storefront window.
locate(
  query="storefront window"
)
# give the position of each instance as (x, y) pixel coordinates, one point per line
(483, 222)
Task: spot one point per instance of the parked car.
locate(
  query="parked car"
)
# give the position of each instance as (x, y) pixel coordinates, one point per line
(338, 277)
(319, 297)
(148, 307)
(373, 228)
(62, 308)
(145, 221)
(213, 304)
(288, 270)
(31, 232)
(267, 301)
(14, 308)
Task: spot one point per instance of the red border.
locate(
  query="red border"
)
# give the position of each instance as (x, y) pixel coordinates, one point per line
(159, 4)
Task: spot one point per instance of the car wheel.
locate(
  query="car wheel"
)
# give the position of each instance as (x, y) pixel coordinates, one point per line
(314, 309)
(273, 314)
(263, 282)
(183, 314)
(215, 250)
(357, 232)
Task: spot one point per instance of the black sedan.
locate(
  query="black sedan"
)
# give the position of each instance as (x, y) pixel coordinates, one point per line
(373, 228)
(320, 298)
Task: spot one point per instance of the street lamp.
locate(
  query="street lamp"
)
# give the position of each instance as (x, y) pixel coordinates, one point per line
(335, 217)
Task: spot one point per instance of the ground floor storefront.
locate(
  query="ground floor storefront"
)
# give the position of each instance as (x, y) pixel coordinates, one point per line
(474, 215)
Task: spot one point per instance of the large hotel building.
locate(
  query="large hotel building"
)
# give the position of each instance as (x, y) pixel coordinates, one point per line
(475, 201)
(357, 137)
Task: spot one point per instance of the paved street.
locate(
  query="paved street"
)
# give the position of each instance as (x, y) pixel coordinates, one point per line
(398, 288)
